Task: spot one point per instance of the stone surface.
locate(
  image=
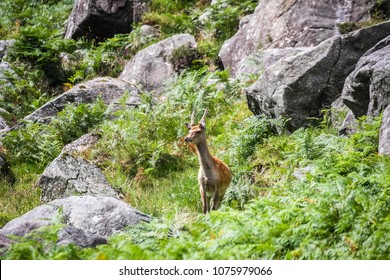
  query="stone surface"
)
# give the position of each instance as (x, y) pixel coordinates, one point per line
(150, 68)
(292, 23)
(102, 19)
(88, 220)
(3, 125)
(109, 89)
(68, 175)
(384, 135)
(5, 72)
(261, 60)
(366, 90)
(4, 45)
(299, 87)
(82, 144)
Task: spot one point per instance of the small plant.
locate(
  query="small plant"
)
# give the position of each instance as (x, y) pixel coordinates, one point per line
(183, 58)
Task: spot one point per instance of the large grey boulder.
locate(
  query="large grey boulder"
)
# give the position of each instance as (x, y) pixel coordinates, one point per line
(102, 19)
(293, 23)
(299, 87)
(68, 175)
(366, 90)
(110, 90)
(384, 135)
(88, 220)
(153, 66)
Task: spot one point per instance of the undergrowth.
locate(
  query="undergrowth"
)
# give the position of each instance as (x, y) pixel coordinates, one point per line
(307, 195)
(339, 208)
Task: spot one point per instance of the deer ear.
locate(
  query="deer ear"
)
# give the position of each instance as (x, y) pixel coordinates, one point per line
(202, 125)
(188, 125)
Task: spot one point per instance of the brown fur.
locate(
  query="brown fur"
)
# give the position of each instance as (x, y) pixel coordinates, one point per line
(214, 175)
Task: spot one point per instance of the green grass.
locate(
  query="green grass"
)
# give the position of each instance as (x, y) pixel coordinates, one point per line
(20, 198)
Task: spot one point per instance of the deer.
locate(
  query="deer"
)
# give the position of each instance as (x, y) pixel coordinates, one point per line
(214, 175)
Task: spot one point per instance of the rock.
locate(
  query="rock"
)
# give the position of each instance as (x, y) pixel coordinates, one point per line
(82, 144)
(366, 90)
(102, 19)
(68, 175)
(88, 220)
(109, 89)
(152, 67)
(384, 135)
(261, 60)
(147, 30)
(5, 243)
(292, 23)
(6, 174)
(5, 72)
(299, 87)
(349, 125)
(4, 45)
(3, 125)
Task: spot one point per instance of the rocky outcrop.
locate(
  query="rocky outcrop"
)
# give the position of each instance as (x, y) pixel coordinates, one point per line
(261, 60)
(384, 135)
(102, 19)
(110, 90)
(366, 90)
(88, 220)
(293, 23)
(153, 66)
(68, 175)
(299, 87)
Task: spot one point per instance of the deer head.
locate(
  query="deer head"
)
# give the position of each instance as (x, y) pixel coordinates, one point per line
(197, 132)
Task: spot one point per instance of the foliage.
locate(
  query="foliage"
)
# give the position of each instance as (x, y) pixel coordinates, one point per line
(311, 194)
(339, 209)
(220, 22)
(22, 96)
(107, 58)
(172, 17)
(39, 144)
(320, 196)
(144, 149)
(15, 200)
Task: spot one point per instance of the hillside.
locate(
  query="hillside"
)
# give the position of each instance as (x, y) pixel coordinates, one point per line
(93, 104)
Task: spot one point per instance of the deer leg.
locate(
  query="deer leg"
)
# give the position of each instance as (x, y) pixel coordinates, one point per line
(205, 201)
(216, 200)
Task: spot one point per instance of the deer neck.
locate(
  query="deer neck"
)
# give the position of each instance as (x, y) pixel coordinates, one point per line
(205, 158)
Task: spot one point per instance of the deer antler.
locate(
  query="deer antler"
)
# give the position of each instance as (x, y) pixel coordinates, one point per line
(193, 118)
(202, 120)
